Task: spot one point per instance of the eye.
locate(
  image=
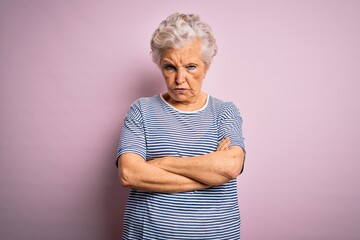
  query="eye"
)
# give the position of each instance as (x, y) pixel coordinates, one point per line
(191, 67)
(169, 67)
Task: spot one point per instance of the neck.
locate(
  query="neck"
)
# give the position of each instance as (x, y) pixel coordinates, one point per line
(194, 105)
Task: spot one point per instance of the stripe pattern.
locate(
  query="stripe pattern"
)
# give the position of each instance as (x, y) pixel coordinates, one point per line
(153, 128)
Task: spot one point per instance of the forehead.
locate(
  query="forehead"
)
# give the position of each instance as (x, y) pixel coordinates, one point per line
(191, 52)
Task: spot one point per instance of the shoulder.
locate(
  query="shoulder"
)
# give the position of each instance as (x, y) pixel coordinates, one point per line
(143, 101)
(224, 107)
(141, 105)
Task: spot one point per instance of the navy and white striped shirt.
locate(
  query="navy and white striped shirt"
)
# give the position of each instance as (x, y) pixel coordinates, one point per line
(152, 129)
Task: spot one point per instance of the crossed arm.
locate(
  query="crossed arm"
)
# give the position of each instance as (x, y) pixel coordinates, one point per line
(168, 174)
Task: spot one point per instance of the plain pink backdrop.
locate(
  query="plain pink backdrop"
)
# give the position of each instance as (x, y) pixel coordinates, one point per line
(70, 69)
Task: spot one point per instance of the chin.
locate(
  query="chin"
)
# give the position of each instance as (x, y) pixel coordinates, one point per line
(178, 97)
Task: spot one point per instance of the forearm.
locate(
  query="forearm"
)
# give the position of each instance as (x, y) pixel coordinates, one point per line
(138, 174)
(215, 168)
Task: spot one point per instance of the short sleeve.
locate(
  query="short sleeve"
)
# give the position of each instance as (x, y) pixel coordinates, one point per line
(230, 125)
(132, 137)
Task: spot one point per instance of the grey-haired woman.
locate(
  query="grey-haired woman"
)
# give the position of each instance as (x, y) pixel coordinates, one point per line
(181, 151)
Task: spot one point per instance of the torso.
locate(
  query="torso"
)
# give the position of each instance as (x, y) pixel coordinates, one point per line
(205, 214)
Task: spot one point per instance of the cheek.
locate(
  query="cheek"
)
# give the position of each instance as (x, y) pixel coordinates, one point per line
(195, 83)
(169, 80)
(166, 75)
(198, 77)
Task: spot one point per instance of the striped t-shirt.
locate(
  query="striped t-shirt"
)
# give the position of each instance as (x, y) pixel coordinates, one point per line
(153, 129)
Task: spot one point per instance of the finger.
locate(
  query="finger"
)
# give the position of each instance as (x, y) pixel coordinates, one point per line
(223, 144)
(226, 143)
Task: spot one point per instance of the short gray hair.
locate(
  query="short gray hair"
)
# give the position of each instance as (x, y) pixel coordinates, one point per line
(179, 29)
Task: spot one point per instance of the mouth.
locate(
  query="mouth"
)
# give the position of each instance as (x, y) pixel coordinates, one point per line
(180, 90)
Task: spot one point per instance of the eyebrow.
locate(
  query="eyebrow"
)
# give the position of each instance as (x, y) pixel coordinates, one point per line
(167, 62)
(191, 61)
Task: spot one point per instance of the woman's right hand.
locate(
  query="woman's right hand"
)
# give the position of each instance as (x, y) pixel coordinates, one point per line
(223, 144)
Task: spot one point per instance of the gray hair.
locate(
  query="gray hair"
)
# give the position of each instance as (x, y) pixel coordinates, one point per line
(179, 29)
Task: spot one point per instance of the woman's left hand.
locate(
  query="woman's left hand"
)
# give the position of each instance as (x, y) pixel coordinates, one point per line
(223, 144)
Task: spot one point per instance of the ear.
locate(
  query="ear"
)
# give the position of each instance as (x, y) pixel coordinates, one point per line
(206, 68)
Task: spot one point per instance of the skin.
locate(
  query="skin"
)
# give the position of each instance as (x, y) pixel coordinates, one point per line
(135, 172)
(183, 71)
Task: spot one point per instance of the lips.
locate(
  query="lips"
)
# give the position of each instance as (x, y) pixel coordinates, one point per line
(180, 90)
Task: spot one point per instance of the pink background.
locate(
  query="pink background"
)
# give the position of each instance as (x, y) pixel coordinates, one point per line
(70, 69)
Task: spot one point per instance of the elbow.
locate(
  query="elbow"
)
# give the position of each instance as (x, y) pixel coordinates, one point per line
(231, 174)
(234, 168)
(125, 178)
(129, 170)
(124, 182)
(235, 172)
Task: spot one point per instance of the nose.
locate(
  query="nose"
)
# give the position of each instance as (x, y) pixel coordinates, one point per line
(180, 76)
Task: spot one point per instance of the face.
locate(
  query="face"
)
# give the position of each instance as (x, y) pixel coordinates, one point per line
(184, 70)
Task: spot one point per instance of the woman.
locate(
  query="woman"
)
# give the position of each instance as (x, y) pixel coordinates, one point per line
(180, 152)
